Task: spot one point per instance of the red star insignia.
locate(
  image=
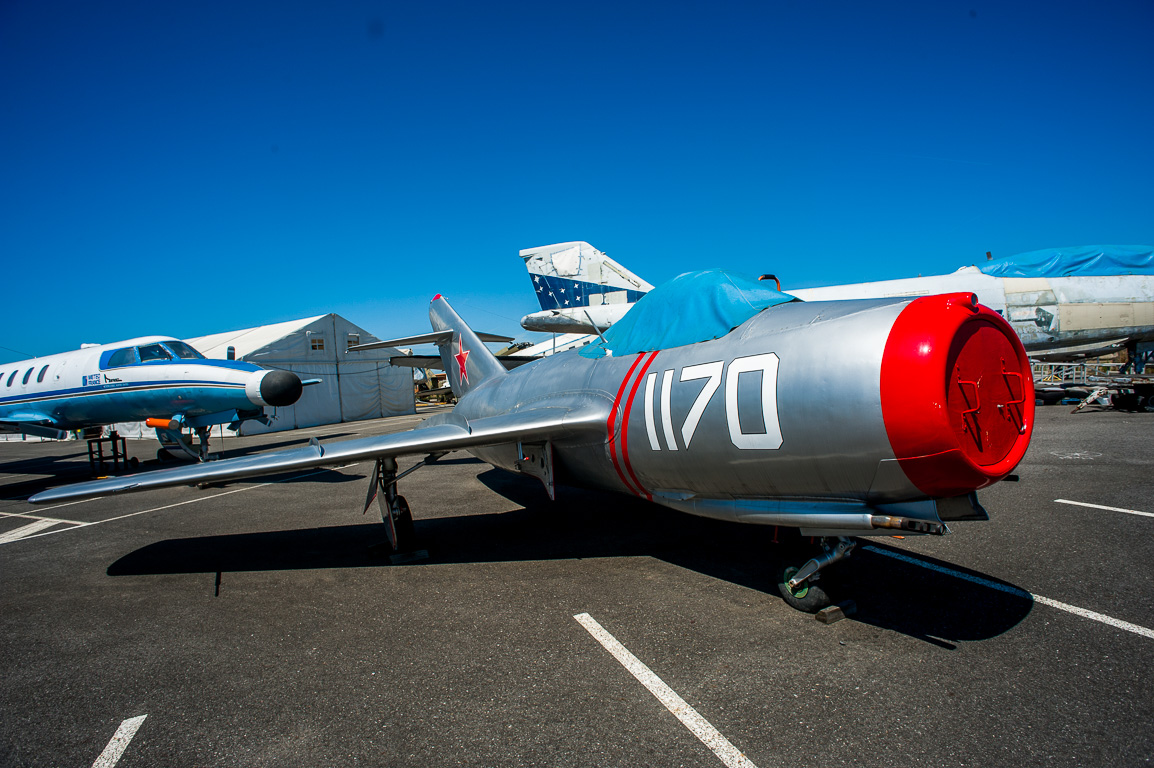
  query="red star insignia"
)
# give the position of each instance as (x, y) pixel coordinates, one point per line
(462, 355)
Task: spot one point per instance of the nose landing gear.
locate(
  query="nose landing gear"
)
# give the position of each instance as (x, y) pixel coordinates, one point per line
(799, 586)
(175, 444)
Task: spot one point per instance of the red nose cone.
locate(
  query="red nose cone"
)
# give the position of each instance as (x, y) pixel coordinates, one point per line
(957, 394)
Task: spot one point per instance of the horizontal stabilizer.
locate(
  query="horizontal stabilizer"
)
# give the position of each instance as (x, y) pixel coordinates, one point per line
(436, 337)
(430, 361)
(549, 423)
(416, 361)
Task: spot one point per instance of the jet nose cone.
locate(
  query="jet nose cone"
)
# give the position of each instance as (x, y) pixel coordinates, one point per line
(279, 388)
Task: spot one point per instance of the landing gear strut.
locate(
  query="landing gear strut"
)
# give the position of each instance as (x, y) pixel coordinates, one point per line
(174, 440)
(799, 586)
(395, 513)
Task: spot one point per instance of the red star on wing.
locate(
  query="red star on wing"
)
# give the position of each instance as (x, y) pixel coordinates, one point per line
(461, 356)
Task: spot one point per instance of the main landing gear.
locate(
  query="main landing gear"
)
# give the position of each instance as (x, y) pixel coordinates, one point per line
(175, 443)
(395, 512)
(801, 587)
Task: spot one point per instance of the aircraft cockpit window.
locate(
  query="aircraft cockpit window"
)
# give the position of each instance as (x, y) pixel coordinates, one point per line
(12, 378)
(122, 357)
(40, 376)
(153, 353)
(27, 375)
(183, 351)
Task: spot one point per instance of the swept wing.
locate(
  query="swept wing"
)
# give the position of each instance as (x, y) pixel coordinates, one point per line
(35, 424)
(441, 433)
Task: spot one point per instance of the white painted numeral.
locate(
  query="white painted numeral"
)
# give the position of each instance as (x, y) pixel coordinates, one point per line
(712, 371)
(650, 427)
(767, 365)
(666, 415)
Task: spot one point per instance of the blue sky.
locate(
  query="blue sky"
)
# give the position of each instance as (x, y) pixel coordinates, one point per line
(184, 169)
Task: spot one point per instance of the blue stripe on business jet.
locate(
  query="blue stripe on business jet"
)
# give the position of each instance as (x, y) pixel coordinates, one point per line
(105, 389)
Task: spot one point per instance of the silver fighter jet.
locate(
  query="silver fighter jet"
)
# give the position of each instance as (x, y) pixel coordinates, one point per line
(720, 397)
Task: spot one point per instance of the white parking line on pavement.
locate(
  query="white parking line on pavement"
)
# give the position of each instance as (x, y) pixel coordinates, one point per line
(689, 717)
(1099, 506)
(119, 742)
(26, 530)
(23, 516)
(1084, 613)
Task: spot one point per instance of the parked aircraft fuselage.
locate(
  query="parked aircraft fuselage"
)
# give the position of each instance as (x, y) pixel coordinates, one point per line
(864, 403)
(133, 380)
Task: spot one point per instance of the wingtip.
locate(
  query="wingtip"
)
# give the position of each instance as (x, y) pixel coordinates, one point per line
(436, 297)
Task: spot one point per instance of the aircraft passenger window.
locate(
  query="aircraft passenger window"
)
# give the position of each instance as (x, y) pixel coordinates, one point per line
(183, 351)
(12, 378)
(153, 353)
(27, 375)
(122, 357)
(40, 376)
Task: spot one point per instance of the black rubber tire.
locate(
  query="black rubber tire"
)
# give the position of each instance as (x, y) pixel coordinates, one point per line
(810, 598)
(406, 533)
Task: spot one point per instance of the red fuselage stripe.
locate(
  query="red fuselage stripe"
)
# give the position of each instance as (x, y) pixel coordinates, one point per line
(613, 419)
(625, 426)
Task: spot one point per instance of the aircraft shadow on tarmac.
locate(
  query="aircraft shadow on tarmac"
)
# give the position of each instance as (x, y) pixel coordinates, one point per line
(62, 469)
(50, 471)
(918, 602)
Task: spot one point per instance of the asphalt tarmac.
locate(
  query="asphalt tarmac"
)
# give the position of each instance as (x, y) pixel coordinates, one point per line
(250, 626)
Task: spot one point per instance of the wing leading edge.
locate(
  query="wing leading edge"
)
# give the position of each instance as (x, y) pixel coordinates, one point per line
(32, 424)
(448, 433)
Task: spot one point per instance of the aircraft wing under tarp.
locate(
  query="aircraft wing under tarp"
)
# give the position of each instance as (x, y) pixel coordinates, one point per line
(37, 425)
(438, 434)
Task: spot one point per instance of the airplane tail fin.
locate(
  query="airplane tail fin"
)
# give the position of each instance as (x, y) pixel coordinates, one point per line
(467, 361)
(575, 274)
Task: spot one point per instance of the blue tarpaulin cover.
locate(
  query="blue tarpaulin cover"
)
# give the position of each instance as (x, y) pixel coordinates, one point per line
(1084, 260)
(693, 307)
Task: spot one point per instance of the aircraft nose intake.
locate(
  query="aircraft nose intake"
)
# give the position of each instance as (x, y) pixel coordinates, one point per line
(957, 394)
(280, 388)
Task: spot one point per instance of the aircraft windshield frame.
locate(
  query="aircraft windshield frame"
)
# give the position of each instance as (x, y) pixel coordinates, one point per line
(183, 351)
(115, 359)
(148, 353)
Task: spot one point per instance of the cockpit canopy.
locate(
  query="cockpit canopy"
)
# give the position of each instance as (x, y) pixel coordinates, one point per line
(696, 306)
(157, 352)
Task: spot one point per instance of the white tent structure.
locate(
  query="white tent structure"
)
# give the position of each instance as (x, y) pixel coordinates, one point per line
(354, 385)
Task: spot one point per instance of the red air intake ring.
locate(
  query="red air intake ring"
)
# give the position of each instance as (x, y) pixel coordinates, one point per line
(957, 394)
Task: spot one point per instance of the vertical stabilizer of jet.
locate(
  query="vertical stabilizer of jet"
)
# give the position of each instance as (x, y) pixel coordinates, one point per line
(579, 288)
(466, 359)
